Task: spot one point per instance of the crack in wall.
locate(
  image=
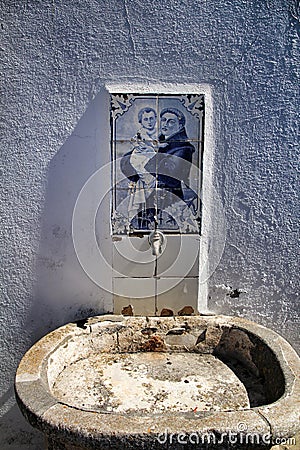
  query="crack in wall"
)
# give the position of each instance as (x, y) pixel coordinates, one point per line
(130, 28)
(295, 10)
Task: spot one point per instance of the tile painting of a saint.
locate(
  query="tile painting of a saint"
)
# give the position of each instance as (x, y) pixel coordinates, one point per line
(158, 165)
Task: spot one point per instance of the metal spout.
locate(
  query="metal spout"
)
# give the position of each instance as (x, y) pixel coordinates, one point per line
(156, 240)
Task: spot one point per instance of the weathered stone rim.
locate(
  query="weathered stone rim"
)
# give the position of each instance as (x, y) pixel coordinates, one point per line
(280, 418)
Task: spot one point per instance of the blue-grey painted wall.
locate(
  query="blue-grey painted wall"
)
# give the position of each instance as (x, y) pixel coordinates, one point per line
(56, 57)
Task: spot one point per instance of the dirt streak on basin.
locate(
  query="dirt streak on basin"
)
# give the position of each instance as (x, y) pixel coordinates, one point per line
(116, 382)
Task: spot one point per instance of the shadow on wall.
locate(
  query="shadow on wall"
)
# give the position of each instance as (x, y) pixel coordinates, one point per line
(64, 292)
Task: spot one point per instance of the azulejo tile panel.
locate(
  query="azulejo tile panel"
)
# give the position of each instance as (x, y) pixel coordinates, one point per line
(157, 145)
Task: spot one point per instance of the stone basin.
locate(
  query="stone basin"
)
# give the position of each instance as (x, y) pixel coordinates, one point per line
(115, 382)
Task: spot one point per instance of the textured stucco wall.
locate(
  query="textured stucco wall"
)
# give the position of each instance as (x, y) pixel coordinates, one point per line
(56, 56)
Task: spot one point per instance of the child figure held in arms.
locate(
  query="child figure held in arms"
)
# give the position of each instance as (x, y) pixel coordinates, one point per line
(145, 145)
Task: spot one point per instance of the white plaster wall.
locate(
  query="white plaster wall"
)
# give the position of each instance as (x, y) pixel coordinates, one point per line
(56, 57)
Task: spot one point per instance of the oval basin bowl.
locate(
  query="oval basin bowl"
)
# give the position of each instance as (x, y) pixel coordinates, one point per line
(115, 382)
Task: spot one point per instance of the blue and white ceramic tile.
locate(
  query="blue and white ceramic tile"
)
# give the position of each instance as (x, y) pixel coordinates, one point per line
(187, 121)
(135, 209)
(156, 148)
(137, 114)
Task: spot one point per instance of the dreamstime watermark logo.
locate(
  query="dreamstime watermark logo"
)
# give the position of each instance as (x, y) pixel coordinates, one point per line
(102, 255)
(238, 437)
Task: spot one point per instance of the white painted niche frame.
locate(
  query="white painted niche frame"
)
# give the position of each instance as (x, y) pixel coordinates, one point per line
(213, 230)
